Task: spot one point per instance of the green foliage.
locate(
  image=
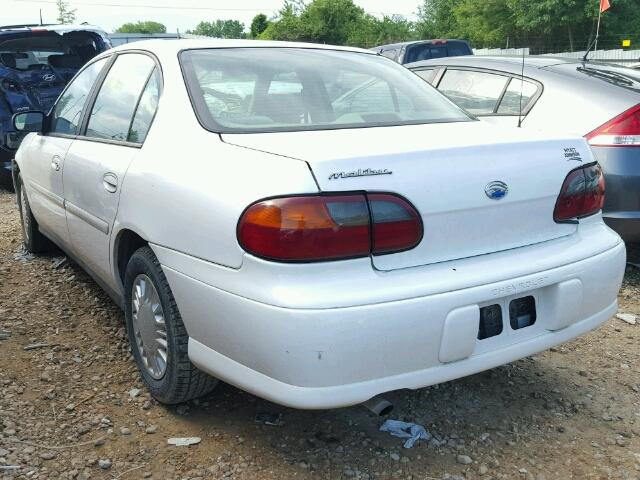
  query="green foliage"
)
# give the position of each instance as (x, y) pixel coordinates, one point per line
(542, 25)
(65, 14)
(338, 22)
(220, 29)
(147, 26)
(258, 25)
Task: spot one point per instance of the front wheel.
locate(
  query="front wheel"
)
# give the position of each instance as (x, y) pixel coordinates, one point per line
(157, 335)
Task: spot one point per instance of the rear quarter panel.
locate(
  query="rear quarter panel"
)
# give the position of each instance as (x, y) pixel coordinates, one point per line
(575, 103)
(186, 189)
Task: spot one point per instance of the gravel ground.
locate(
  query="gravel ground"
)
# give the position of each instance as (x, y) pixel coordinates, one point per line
(75, 408)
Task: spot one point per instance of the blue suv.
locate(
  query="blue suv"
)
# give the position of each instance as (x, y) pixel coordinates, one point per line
(36, 63)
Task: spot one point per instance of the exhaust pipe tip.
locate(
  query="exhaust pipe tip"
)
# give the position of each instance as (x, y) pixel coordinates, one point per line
(378, 405)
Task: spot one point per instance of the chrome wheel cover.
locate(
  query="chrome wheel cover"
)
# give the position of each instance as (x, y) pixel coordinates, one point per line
(149, 328)
(26, 218)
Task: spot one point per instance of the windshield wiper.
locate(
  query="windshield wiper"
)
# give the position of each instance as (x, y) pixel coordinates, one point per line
(614, 77)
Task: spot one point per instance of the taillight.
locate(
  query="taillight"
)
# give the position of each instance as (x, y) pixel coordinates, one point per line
(396, 224)
(329, 227)
(621, 131)
(581, 195)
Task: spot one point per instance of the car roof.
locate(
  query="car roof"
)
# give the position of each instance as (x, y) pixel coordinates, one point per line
(413, 42)
(505, 62)
(174, 46)
(50, 28)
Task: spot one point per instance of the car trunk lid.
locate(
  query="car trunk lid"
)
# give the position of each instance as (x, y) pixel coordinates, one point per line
(449, 173)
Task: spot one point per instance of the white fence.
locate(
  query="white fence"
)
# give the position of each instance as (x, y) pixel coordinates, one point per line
(618, 56)
(120, 38)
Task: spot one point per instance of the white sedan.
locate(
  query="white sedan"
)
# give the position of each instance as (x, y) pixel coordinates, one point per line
(312, 224)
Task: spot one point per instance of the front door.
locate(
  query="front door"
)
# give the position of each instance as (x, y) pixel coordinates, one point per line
(45, 155)
(98, 160)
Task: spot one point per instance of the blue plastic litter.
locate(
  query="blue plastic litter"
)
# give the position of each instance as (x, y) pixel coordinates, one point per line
(411, 431)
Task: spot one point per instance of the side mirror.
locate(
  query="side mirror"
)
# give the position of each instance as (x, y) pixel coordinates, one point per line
(31, 121)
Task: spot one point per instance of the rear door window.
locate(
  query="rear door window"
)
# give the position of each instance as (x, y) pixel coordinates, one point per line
(112, 113)
(476, 92)
(67, 112)
(146, 110)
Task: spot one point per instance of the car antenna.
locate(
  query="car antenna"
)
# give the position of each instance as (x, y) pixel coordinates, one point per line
(521, 88)
(40, 17)
(586, 54)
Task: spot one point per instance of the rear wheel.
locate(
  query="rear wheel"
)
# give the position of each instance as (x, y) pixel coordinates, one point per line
(157, 335)
(33, 240)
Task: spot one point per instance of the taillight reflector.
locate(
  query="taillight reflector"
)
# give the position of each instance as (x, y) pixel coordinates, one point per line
(329, 227)
(621, 131)
(581, 195)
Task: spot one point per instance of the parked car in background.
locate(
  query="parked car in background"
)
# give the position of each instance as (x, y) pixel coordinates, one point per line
(635, 66)
(415, 51)
(36, 62)
(334, 230)
(599, 101)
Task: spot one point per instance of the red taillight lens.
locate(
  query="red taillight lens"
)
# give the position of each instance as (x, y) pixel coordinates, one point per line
(581, 195)
(328, 227)
(396, 224)
(622, 131)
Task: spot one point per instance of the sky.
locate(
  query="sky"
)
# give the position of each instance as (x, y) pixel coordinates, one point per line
(174, 14)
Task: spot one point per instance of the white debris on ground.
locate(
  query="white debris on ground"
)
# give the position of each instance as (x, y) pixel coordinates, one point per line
(627, 317)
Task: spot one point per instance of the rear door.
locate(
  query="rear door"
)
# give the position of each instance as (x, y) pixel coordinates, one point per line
(114, 131)
(44, 160)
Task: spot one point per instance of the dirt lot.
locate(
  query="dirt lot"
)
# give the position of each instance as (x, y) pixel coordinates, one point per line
(71, 409)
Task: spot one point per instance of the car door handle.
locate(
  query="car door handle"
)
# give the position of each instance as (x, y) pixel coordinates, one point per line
(110, 182)
(55, 163)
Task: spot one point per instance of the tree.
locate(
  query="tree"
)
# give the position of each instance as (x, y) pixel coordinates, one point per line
(146, 26)
(288, 24)
(65, 14)
(258, 25)
(339, 22)
(220, 29)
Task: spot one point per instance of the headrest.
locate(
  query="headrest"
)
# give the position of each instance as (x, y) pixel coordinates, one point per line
(8, 60)
(64, 61)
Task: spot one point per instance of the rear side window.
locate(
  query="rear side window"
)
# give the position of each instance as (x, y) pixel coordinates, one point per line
(427, 74)
(66, 115)
(511, 103)
(476, 92)
(390, 54)
(112, 113)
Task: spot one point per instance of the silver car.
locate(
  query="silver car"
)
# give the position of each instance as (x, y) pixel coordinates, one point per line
(560, 95)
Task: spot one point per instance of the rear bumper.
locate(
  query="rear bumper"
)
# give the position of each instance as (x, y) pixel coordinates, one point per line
(622, 174)
(331, 357)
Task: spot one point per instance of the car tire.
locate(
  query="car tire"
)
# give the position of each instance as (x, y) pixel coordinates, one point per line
(161, 356)
(6, 183)
(32, 239)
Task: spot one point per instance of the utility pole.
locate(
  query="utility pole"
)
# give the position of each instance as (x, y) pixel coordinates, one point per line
(595, 48)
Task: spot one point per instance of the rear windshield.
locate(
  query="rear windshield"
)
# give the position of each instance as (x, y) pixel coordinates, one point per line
(427, 51)
(35, 51)
(290, 89)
